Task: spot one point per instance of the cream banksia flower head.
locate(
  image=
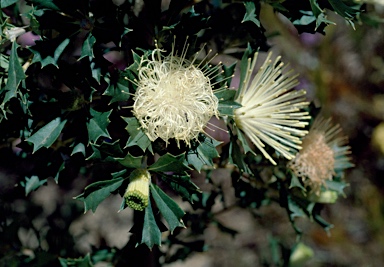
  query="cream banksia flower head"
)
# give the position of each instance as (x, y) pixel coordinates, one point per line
(324, 151)
(174, 97)
(271, 111)
(137, 193)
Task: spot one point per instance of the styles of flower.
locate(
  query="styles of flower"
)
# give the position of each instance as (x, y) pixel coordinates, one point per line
(174, 97)
(137, 193)
(272, 112)
(324, 152)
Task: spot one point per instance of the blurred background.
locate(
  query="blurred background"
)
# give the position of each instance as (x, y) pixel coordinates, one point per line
(343, 73)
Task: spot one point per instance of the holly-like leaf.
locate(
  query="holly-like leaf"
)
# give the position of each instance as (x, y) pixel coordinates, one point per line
(151, 234)
(136, 135)
(171, 212)
(5, 3)
(295, 182)
(130, 161)
(95, 193)
(346, 11)
(226, 102)
(47, 135)
(250, 14)
(295, 209)
(62, 167)
(306, 19)
(87, 48)
(79, 148)
(96, 72)
(337, 186)
(170, 163)
(236, 156)
(15, 75)
(203, 154)
(97, 126)
(106, 151)
(228, 72)
(118, 91)
(49, 59)
(32, 184)
(299, 207)
(136, 62)
(96, 152)
(46, 3)
(323, 223)
(244, 142)
(183, 185)
(80, 262)
(244, 66)
(319, 14)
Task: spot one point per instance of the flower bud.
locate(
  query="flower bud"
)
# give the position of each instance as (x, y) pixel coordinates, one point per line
(13, 33)
(300, 254)
(325, 197)
(137, 194)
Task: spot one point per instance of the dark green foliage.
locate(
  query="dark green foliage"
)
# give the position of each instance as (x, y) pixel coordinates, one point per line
(67, 97)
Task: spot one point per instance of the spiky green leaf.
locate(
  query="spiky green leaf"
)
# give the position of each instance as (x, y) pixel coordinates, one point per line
(136, 135)
(183, 185)
(244, 66)
(118, 91)
(15, 75)
(61, 168)
(151, 234)
(46, 4)
(130, 161)
(170, 163)
(6, 3)
(80, 262)
(171, 212)
(95, 193)
(47, 135)
(97, 126)
(79, 148)
(250, 14)
(49, 59)
(203, 154)
(32, 184)
(87, 48)
(226, 102)
(236, 156)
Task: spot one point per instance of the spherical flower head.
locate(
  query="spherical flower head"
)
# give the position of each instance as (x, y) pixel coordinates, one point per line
(323, 151)
(174, 98)
(271, 111)
(137, 194)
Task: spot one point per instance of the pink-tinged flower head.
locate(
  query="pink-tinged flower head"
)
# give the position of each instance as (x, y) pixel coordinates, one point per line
(271, 111)
(323, 151)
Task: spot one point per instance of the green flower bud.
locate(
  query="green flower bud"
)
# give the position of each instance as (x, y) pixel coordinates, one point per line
(326, 197)
(137, 194)
(300, 254)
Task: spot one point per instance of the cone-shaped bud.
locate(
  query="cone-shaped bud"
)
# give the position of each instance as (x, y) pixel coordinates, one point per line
(137, 194)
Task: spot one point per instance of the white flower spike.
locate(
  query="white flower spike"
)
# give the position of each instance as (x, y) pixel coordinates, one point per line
(271, 111)
(174, 98)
